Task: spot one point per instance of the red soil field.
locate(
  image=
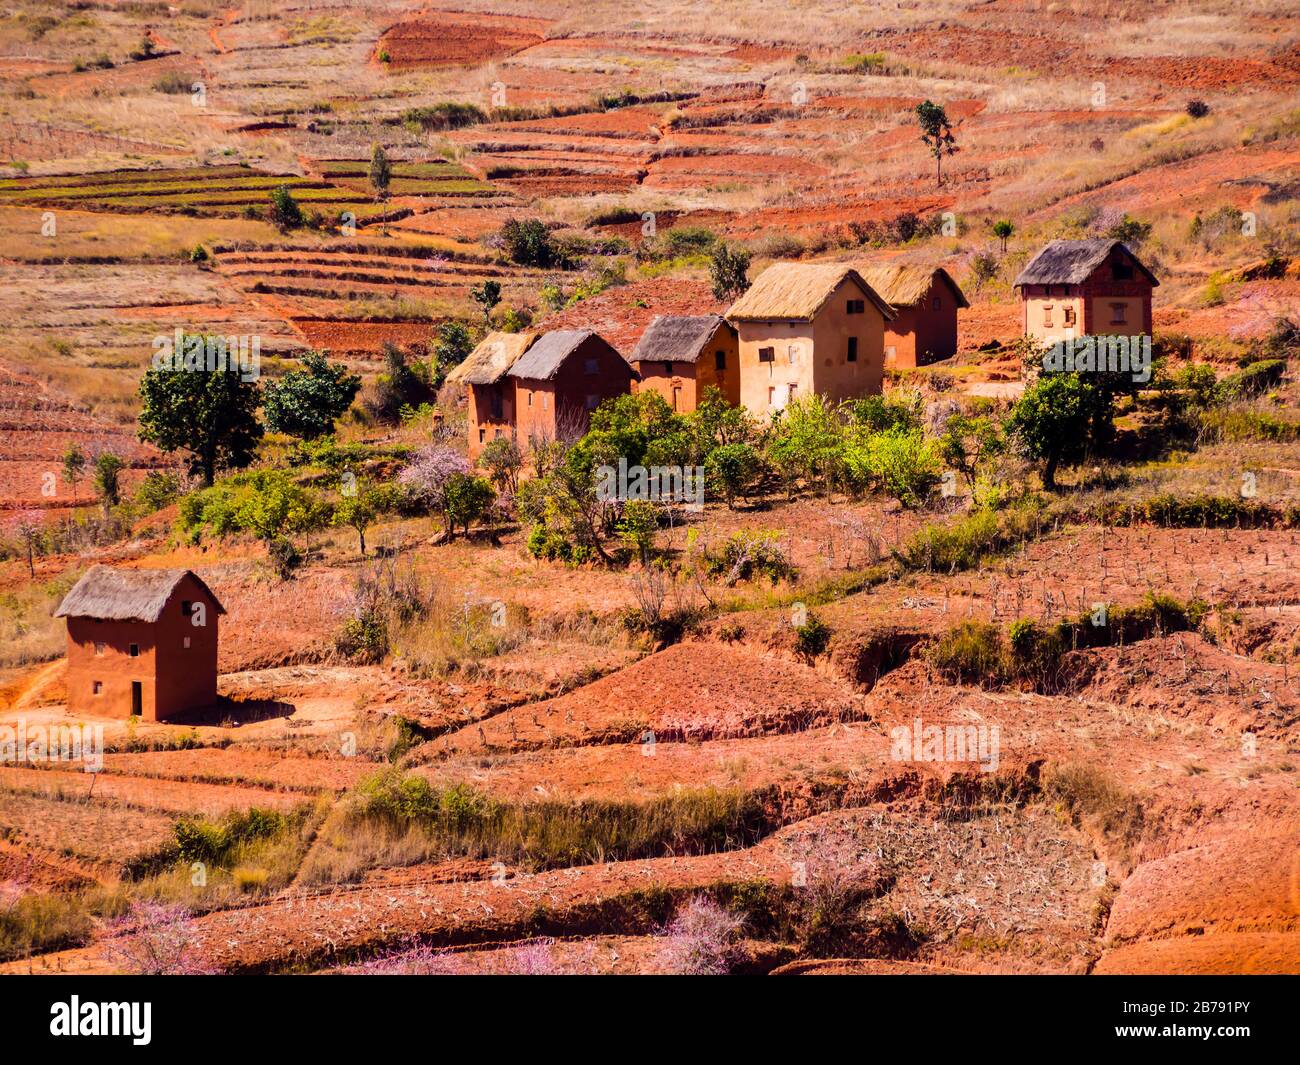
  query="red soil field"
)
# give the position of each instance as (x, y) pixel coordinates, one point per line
(444, 39)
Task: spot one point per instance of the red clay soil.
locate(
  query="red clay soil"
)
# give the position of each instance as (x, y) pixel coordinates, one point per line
(953, 880)
(446, 39)
(164, 796)
(268, 768)
(621, 314)
(107, 834)
(24, 870)
(808, 772)
(691, 690)
(343, 337)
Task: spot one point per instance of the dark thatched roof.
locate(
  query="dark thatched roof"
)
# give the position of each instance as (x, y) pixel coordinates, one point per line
(491, 359)
(543, 360)
(126, 594)
(677, 337)
(1071, 262)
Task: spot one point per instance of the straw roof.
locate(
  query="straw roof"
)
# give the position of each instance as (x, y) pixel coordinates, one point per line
(547, 354)
(903, 285)
(1071, 262)
(798, 291)
(126, 594)
(677, 337)
(491, 359)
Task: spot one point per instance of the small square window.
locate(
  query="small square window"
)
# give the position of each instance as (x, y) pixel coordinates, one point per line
(857, 306)
(98, 687)
(482, 435)
(99, 648)
(135, 650)
(719, 360)
(767, 354)
(591, 367)
(1047, 314)
(668, 368)
(1118, 313)
(187, 608)
(186, 642)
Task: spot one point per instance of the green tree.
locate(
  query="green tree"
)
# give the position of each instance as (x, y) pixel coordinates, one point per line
(358, 509)
(108, 472)
(74, 468)
(502, 460)
(285, 214)
(381, 171)
(936, 134)
(637, 527)
(732, 469)
(729, 271)
(305, 403)
(1050, 422)
(487, 296)
(452, 346)
(969, 443)
(467, 500)
(209, 414)
(1003, 229)
(529, 243)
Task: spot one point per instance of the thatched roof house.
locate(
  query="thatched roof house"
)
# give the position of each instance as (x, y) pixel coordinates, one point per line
(1083, 287)
(907, 285)
(547, 354)
(798, 291)
(491, 358)
(677, 337)
(681, 355)
(109, 594)
(1073, 262)
(925, 300)
(141, 643)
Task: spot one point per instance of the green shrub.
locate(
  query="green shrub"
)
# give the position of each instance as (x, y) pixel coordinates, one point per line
(812, 637)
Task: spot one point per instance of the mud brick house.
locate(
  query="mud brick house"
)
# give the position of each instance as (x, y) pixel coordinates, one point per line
(925, 301)
(141, 643)
(1075, 288)
(809, 327)
(680, 355)
(562, 377)
(490, 392)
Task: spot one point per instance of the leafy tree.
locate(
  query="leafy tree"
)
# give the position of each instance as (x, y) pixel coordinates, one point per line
(936, 134)
(807, 441)
(468, 499)
(454, 343)
(209, 414)
(359, 509)
(969, 443)
(487, 296)
(404, 383)
(902, 461)
(74, 468)
(502, 460)
(529, 243)
(733, 468)
(729, 271)
(1050, 422)
(1130, 231)
(1003, 229)
(108, 471)
(637, 527)
(285, 214)
(381, 171)
(305, 403)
